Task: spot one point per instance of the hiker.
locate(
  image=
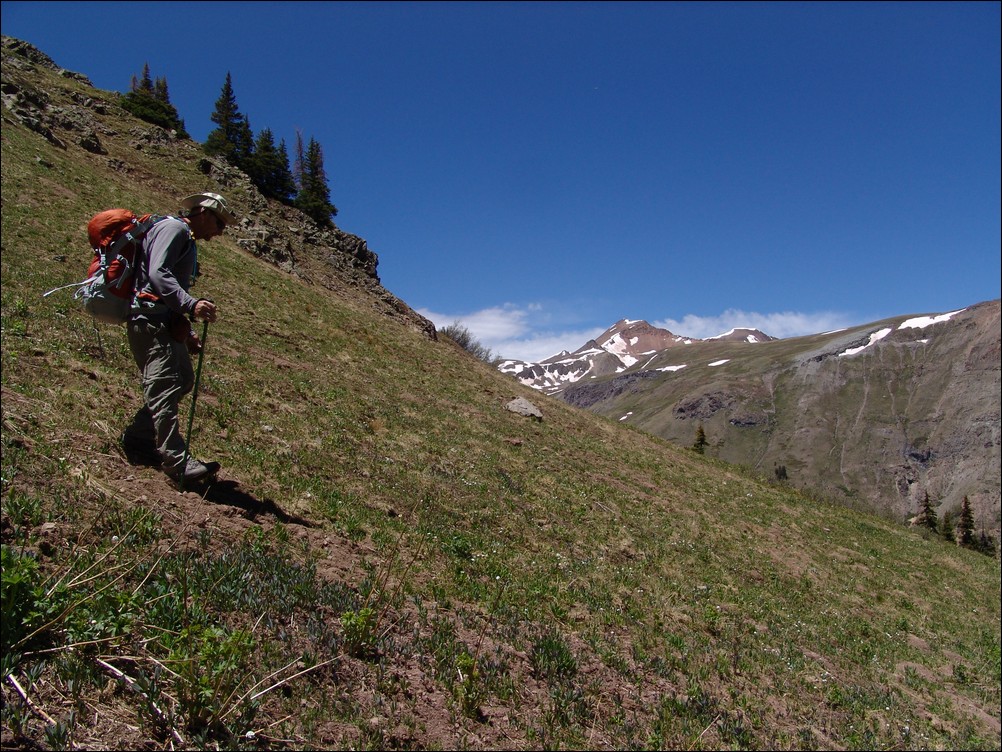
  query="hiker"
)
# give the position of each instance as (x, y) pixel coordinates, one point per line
(162, 338)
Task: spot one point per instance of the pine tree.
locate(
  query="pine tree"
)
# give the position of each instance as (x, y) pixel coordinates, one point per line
(146, 83)
(966, 525)
(150, 101)
(285, 181)
(700, 444)
(946, 529)
(299, 165)
(314, 195)
(269, 169)
(245, 144)
(232, 139)
(927, 514)
(985, 544)
(160, 90)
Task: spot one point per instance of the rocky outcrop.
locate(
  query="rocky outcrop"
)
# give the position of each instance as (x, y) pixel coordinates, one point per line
(586, 395)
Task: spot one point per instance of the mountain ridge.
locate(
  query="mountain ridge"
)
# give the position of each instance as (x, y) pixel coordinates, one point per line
(628, 340)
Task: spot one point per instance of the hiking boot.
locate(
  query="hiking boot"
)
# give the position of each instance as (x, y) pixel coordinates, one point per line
(140, 451)
(195, 471)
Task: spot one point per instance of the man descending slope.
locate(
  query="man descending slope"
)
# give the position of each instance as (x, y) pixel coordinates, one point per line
(161, 337)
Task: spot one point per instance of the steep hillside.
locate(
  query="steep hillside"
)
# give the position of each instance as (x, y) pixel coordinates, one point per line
(878, 415)
(391, 559)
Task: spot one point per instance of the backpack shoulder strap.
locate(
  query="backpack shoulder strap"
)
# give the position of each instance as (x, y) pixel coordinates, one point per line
(136, 233)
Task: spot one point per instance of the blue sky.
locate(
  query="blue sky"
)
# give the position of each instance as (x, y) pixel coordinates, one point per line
(538, 171)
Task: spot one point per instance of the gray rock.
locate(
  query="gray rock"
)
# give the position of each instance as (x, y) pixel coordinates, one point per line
(522, 406)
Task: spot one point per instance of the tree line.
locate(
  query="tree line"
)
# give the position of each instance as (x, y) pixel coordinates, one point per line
(303, 184)
(962, 533)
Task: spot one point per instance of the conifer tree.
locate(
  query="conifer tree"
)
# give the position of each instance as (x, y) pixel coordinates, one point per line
(700, 444)
(245, 143)
(269, 168)
(160, 90)
(927, 514)
(232, 139)
(985, 544)
(966, 525)
(314, 194)
(946, 529)
(299, 165)
(146, 82)
(150, 101)
(285, 180)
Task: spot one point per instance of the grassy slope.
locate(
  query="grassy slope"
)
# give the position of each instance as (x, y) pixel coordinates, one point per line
(616, 591)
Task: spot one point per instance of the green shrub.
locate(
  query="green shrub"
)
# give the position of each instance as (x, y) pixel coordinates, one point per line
(465, 339)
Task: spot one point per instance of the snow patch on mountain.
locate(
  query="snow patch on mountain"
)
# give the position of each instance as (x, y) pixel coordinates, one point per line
(921, 322)
(918, 322)
(874, 338)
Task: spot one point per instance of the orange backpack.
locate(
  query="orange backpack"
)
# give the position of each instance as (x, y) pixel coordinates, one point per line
(116, 237)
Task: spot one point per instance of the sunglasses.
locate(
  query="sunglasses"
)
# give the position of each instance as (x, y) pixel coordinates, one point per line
(220, 224)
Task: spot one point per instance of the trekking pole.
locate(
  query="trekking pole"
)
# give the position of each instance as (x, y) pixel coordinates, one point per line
(191, 413)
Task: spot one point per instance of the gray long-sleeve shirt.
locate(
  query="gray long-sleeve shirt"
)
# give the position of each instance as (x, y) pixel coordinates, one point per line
(169, 265)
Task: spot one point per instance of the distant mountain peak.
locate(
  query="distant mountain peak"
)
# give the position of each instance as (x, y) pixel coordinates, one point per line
(632, 338)
(622, 346)
(742, 334)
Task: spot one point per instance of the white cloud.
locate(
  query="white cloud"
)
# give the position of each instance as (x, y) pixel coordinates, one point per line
(490, 324)
(517, 332)
(782, 325)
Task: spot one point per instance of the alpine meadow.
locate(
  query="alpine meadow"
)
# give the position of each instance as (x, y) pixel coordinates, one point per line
(390, 559)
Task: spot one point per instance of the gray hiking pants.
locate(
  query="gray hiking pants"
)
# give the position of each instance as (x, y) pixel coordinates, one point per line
(167, 376)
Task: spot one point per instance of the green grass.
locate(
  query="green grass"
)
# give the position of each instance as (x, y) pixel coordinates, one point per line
(586, 584)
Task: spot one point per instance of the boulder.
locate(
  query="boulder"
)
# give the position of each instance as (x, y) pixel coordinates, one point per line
(522, 406)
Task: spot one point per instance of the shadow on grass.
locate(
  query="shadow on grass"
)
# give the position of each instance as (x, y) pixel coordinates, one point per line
(229, 492)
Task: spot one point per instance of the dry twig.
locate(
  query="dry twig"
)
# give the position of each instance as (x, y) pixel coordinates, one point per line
(134, 686)
(27, 701)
